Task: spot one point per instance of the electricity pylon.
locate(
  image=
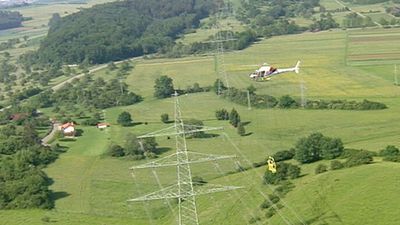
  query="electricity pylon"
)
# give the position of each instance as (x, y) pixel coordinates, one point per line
(183, 190)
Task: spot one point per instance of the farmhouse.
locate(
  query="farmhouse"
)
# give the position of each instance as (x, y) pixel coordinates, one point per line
(102, 125)
(68, 129)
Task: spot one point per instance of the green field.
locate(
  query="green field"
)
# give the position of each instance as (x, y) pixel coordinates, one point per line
(92, 189)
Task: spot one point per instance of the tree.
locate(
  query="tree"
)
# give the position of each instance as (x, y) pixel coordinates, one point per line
(191, 125)
(309, 149)
(234, 118)
(219, 86)
(164, 118)
(251, 89)
(316, 146)
(240, 129)
(132, 146)
(163, 87)
(124, 119)
(332, 148)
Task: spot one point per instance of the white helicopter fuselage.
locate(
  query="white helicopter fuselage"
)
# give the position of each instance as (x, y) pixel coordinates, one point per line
(266, 72)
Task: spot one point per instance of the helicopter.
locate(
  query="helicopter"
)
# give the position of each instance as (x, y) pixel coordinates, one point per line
(266, 72)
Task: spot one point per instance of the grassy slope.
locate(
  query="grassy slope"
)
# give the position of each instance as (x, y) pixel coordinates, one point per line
(92, 189)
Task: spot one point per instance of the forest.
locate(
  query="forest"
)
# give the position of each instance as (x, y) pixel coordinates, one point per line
(23, 184)
(10, 19)
(119, 30)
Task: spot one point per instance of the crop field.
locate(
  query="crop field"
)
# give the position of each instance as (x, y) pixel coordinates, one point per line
(373, 48)
(91, 188)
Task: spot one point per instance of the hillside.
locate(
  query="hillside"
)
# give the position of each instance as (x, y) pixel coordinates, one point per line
(119, 30)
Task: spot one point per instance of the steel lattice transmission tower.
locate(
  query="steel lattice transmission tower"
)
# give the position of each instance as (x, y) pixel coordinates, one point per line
(219, 39)
(183, 190)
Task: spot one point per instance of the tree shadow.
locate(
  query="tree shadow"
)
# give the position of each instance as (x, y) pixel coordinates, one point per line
(161, 150)
(208, 136)
(248, 134)
(79, 132)
(84, 117)
(136, 123)
(214, 119)
(67, 139)
(59, 195)
(246, 123)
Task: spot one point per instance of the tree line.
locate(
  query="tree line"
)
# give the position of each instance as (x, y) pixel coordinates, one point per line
(287, 102)
(87, 92)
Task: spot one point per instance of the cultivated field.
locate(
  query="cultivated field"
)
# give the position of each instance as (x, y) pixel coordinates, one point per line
(370, 48)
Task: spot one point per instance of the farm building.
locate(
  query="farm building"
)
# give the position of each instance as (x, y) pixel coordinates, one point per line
(102, 125)
(68, 129)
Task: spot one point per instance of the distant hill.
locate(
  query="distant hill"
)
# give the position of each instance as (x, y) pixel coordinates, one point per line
(118, 30)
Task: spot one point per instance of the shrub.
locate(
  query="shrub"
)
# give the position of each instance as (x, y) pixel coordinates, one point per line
(321, 168)
(283, 172)
(362, 157)
(336, 164)
(115, 151)
(283, 155)
(164, 118)
(392, 158)
(90, 122)
(266, 204)
(254, 219)
(287, 102)
(284, 188)
(270, 213)
(293, 171)
(222, 114)
(198, 181)
(390, 150)
(274, 198)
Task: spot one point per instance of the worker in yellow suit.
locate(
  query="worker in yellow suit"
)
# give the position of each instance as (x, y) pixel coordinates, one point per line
(271, 164)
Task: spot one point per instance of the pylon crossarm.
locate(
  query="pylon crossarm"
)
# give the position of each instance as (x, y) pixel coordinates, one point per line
(172, 192)
(213, 188)
(166, 193)
(195, 157)
(163, 162)
(171, 131)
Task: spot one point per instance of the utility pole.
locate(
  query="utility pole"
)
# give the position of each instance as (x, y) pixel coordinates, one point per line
(183, 190)
(302, 92)
(248, 100)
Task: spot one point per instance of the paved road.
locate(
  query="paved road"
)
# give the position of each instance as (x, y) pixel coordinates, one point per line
(50, 136)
